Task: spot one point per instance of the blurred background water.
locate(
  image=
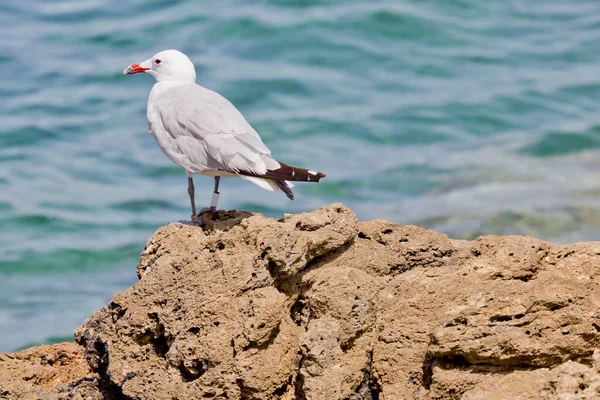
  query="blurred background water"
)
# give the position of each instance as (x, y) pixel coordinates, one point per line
(464, 116)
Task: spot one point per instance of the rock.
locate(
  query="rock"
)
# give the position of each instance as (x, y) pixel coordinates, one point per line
(320, 306)
(211, 314)
(48, 372)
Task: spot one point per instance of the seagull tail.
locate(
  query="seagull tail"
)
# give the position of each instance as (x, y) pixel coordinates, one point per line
(266, 184)
(289, 173)
(279, 178)
(271, 185)
(285, 173)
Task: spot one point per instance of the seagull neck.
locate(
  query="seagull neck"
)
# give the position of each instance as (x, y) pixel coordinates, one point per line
(163, 85)
(160, 87)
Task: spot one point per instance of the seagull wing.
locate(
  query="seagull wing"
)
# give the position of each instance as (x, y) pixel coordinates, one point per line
(204, 131)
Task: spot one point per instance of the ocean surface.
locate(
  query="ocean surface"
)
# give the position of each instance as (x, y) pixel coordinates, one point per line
(466, 116)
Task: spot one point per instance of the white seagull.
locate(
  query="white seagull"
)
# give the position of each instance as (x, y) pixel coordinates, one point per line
(204, 133)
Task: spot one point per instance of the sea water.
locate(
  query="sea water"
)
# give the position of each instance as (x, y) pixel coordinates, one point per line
(469, 117)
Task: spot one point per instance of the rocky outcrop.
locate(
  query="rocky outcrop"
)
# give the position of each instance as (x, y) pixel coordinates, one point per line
(320, 306)
(48, 373)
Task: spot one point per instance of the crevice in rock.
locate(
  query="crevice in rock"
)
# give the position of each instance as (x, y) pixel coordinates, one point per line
(567, 254)
(280, 391)
(506, 318)
(299, 387)
(524, 278)
(110, 390)
(160, 342)
(128, 376)
(101, 350)
(327, 257)
(362, 235)
(94, 380)
(541, 305)
(266, 344)
(457, 361)
(399, 268)
(500, 318)
(272, 268)
(245, 392)
(141, 270)
(290, 285)
(369, 388)
(233, 348)
(300, 311)
(349, 344)
(301, 226)
(420, 258)
(527, 274)
(460, 320)
(116, 310)
(446, 362)
(298, 381)
(194, 371)
(427, 369)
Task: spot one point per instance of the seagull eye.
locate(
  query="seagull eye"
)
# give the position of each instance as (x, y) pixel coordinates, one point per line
(157, 61)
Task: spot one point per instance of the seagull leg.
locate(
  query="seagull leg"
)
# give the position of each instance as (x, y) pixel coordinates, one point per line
(191, 193)
(215, 197)
(214, 201)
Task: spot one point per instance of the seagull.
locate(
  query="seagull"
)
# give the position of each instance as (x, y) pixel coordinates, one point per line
(201, 131)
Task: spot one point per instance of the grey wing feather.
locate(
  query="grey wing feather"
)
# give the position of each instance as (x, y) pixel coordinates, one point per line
(208, 130)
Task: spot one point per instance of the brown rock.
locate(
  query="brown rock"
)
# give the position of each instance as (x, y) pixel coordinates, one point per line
(320, 306)
(58, 371)
(211, 315)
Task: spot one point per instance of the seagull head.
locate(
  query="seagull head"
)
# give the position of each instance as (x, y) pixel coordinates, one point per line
(167, 65)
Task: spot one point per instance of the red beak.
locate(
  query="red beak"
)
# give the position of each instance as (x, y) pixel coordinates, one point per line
(134, 69)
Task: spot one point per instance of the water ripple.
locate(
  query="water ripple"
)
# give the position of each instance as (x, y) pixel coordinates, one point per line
(466, 116)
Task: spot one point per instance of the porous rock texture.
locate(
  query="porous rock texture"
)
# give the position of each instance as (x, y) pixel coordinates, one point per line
(320, 306)
(49, 373)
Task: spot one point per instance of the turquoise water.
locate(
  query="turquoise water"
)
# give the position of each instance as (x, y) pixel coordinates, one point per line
(464, 116)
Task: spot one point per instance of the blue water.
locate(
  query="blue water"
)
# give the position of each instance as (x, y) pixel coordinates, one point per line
(463, 116)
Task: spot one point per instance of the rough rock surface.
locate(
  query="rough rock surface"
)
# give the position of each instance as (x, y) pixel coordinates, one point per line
(320, 306)
(48, 372)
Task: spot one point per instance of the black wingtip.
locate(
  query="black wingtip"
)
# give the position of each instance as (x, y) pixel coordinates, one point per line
(285, 189)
